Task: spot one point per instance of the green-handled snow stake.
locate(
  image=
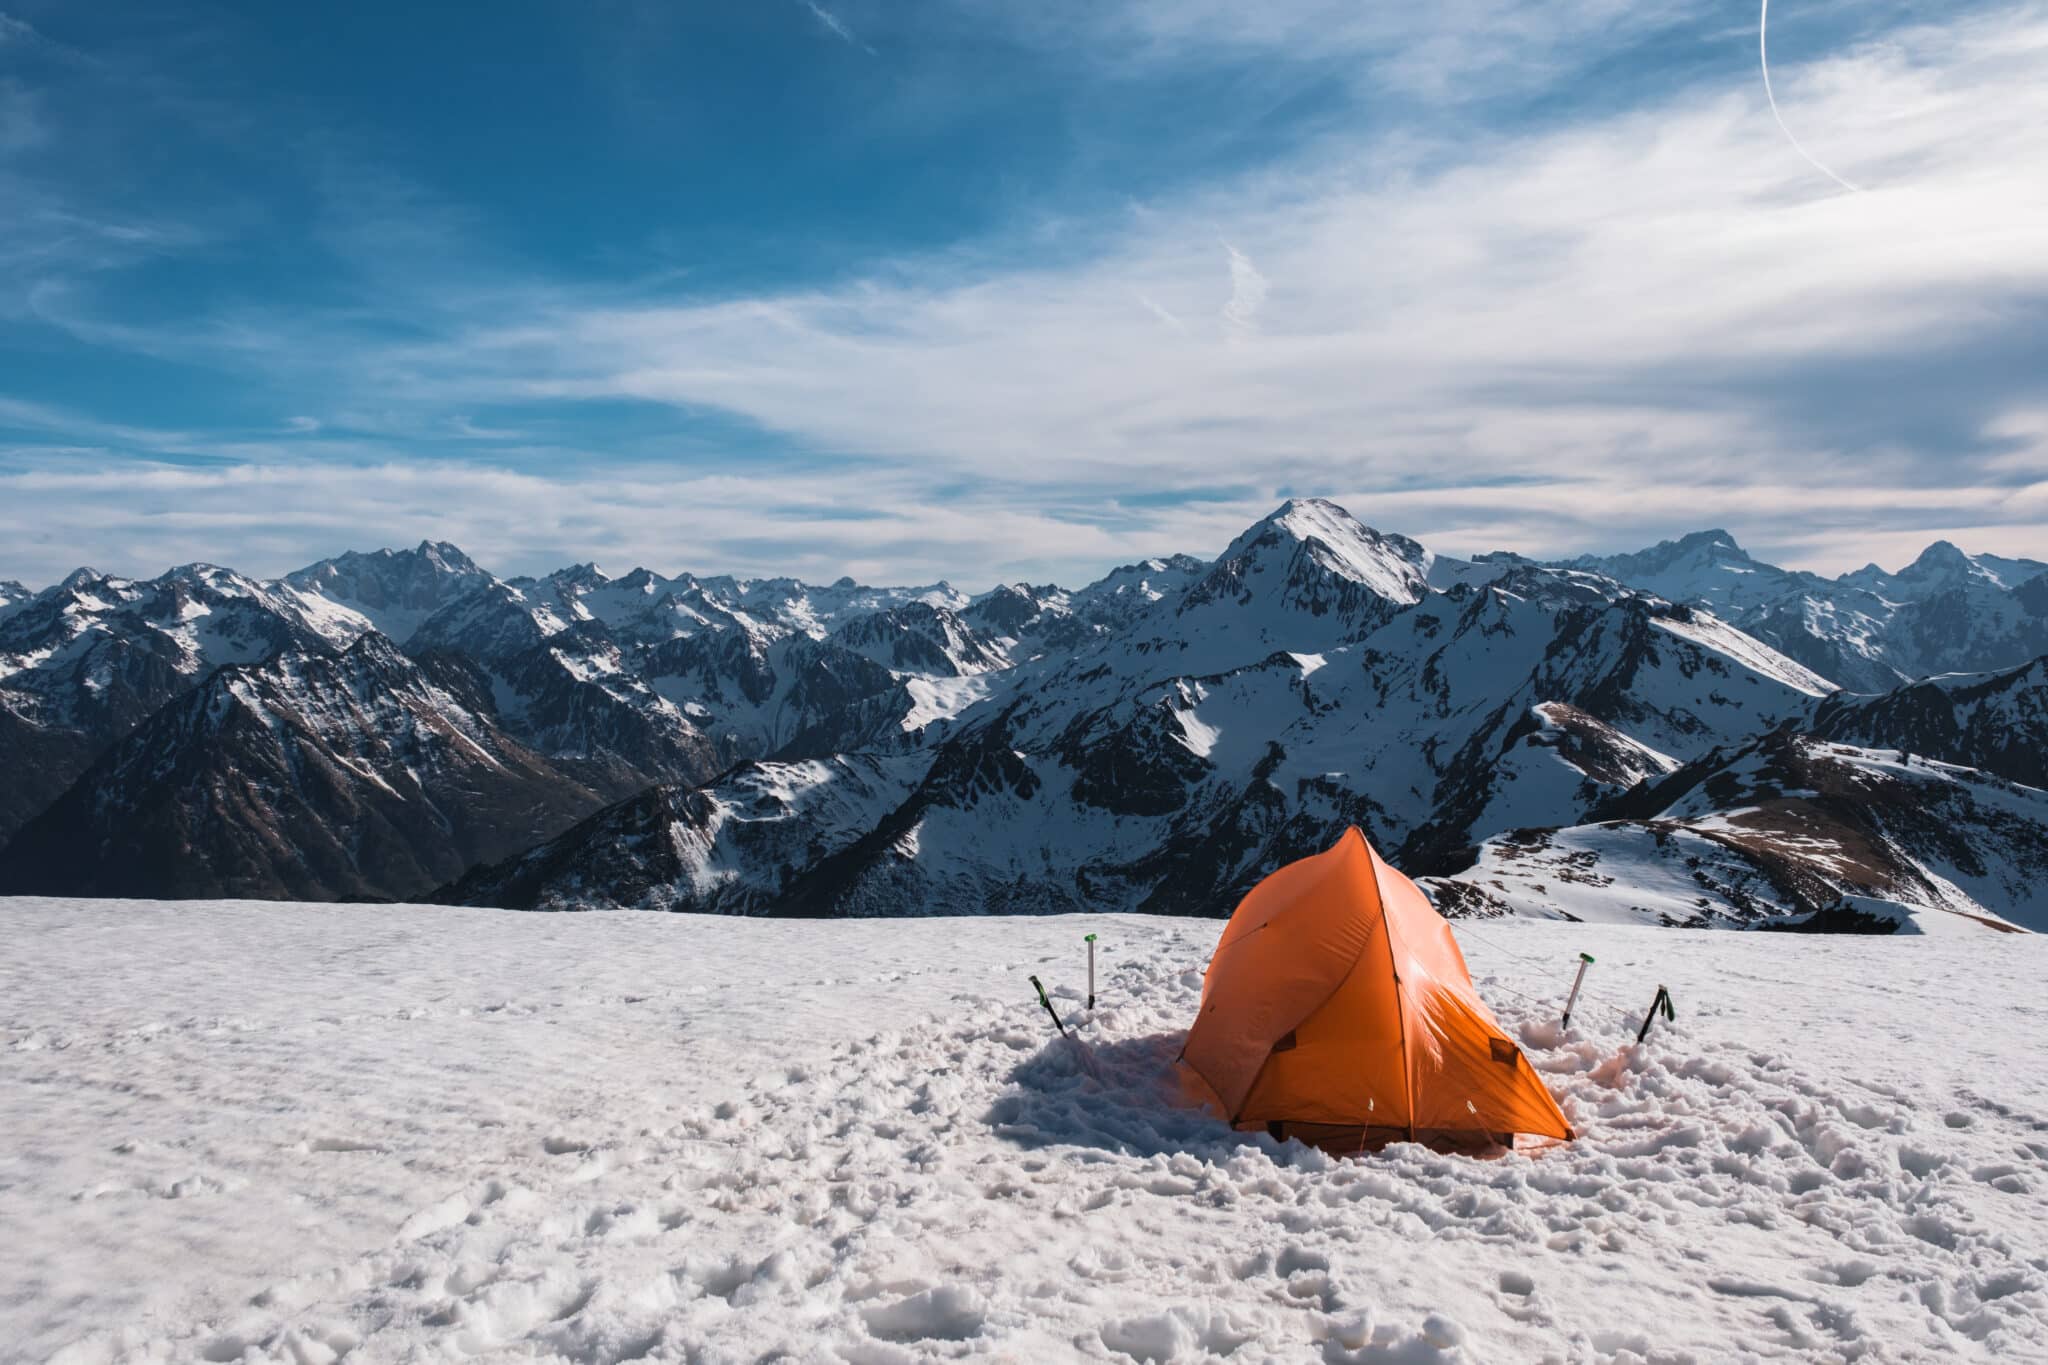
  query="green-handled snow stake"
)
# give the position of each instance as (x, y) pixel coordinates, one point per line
(1091, 971)
(1585, 961)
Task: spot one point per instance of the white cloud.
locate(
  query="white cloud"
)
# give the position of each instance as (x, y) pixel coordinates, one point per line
(271, 517)
(1247, 290)
(1555, 308)
(1579, 336)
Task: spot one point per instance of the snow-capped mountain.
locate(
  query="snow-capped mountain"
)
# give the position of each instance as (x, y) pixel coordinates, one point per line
(84, 662)
(1037, 619)
(567, 689)
(309, 776)
(1338, 689)
(1156, 740)
(1706, 567)
(1869, 630)
(1994, 721)
(1784, 829)
(393, 591)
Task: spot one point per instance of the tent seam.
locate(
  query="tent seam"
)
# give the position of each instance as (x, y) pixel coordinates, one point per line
(1356, 958)
(1400, 987)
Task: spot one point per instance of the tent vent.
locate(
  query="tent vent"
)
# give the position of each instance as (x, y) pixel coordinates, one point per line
(1504, 1052)
(1286, 1043)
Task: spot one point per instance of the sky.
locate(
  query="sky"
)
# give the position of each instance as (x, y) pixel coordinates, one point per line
(989, 291)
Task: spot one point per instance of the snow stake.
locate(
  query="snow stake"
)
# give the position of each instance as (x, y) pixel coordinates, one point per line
(1091, 971)
(1585, 961)
(1663, 1002)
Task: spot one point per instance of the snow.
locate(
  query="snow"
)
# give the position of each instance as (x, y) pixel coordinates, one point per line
(1711, 633)
(1617, 873)
(1199, 737)
(1350, 548)
(248, 1132)
(937, 699)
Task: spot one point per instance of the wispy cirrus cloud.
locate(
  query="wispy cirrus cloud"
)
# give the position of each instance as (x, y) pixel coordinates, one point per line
(835, 25)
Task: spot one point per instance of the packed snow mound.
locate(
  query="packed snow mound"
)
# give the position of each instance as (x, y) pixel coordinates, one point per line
(399, 1133)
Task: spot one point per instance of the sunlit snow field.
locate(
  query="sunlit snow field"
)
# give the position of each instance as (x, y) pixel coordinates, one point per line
(295, 1133)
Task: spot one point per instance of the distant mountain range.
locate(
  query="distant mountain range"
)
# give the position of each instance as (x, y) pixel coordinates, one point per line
(1684, 735)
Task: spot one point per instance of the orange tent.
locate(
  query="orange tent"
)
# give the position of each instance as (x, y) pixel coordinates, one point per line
(1337, 1009)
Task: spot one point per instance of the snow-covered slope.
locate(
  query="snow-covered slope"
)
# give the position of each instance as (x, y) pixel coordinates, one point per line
(1994, 721)
(1783, 828)
(262, 1133)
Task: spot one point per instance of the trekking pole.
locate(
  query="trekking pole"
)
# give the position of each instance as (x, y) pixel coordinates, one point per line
(1663, 1002)
(1045, 1001)
(1091, 971)
(1074, 1044)
(1585, 961)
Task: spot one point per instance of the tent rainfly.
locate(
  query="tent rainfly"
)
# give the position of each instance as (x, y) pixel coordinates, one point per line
(1338, 1009)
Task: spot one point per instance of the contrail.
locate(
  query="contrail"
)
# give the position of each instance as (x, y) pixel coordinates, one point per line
(1763, 56)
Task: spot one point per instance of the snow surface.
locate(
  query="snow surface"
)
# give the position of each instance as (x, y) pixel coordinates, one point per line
(936, 699)
(1712, 633)
(232, 1131)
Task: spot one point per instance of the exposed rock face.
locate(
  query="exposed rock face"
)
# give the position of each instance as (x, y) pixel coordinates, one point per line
(310, 776)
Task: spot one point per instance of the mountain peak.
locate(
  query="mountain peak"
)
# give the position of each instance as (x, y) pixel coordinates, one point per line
(445, 554)
(1314, 558)
(1309, 516)
(1354, 549)
(1716, 539)
(1942, 555)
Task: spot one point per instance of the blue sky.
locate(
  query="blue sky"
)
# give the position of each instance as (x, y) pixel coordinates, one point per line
(981, 290)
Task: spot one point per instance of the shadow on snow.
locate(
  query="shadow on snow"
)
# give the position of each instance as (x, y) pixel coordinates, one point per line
(1136, 1109)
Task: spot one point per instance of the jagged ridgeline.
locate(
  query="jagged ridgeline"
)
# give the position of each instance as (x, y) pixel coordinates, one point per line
(1685, 735)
